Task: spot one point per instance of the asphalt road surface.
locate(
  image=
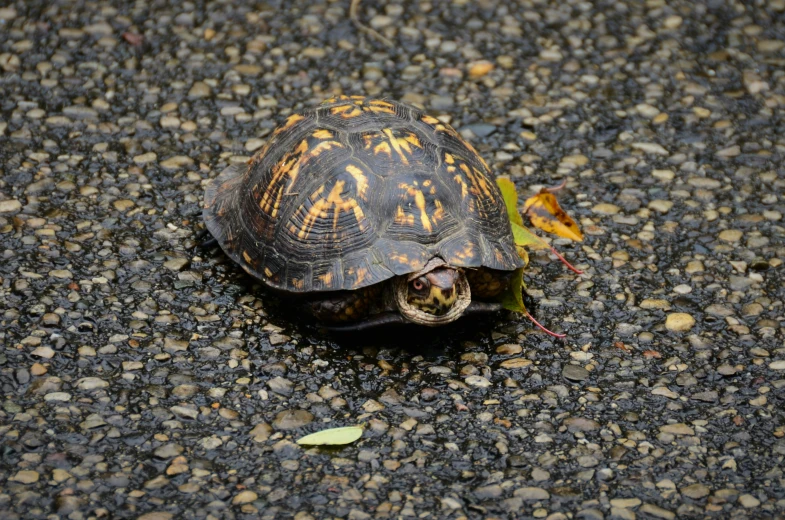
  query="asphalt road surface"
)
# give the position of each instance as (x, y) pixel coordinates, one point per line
(143, 378)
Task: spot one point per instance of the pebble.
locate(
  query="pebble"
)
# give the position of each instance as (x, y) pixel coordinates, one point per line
(7, 13)
(44, 352)
(199, 90)
(480, 69)
(731, 235)
(625, 502)
(515, 363)
(575, 373)
(91, 383)
(580, 424)
(156, 515)
(679, 322)
(657, 512)
(145, 158)
(185, 411)
(60, 475)
(281, 386)
(244, 497)
(25, 476)
(662, 206)
(509, 349)
(652, 148)
(695, 491)
(477, 381)
(618, 513)
(749, 501)
(57, 396)
(590, 514)
(178, 161)
(10, 206)
(777, 365)
(606, 209)
(292, 419)
(677, 429)
(123, 204)
(167, 451)
(531, 493)
(210, 443)
(709, 396)
(261, 432)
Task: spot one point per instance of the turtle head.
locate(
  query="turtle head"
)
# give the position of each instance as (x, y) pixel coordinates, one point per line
(436, 295)
(435, 292)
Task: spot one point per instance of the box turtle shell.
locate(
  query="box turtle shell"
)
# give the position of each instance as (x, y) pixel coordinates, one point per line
(358, 191)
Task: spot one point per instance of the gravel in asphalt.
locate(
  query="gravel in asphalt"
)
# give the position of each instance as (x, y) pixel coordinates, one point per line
(144, 378)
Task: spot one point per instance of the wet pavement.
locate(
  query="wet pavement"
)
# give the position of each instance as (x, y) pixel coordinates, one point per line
(143, 378)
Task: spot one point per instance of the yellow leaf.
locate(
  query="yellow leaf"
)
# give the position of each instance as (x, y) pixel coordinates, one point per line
(544, 213)
(333, 436)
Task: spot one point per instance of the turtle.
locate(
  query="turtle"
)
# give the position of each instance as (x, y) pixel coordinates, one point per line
(365, 212)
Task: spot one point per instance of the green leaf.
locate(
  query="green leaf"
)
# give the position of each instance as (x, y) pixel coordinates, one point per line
(510, 196)
(333, 436)
(512, 298)
(525, 238)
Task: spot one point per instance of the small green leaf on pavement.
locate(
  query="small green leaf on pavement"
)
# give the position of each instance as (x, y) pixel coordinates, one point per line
(333, 436)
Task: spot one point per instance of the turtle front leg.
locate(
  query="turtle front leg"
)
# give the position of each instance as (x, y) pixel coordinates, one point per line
(345, 306)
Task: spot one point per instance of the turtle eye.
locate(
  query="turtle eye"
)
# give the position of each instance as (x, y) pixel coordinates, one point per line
(417, 285)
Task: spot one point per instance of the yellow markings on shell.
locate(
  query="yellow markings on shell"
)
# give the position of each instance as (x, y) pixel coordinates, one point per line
(298, 284)
(430, 120)
(383, 147)
(247, 257)
(326, 278)
(417, 194)
(267, 272)
(359, 273)
(381, 106)
(402, 258)
(464, 186)
(277, 203)
(400, 145)
(413, 140)
(319, 148)
(438, 213)
(290, 166)
(402, 218)
(336, 203)
(322, 134)
(346, 111)
(359, 178)
(482, 181)
(449, 159)
(466, 252)
(419, 201)
(479, 183)
(289, 123)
